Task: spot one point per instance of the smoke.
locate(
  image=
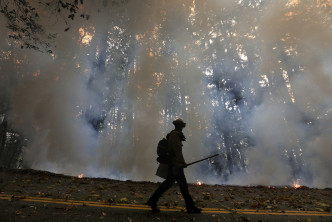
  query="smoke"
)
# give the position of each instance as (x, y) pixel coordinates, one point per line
(152, 80)
(45, 108)
(300, 128)
(149, 63)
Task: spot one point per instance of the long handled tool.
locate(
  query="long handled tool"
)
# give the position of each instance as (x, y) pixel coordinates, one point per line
(162, 170)
(202, 159)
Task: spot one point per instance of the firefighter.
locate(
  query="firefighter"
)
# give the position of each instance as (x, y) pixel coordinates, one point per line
(175, 170)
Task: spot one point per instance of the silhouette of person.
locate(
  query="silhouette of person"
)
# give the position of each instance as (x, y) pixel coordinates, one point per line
(175, 170)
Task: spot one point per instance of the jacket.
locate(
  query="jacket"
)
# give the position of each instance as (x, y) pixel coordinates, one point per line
(175, 145)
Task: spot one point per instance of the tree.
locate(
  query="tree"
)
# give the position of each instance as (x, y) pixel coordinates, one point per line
(24, 20)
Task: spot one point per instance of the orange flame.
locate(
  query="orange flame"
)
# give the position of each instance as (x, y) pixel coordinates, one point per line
(296, 184)
(80, 175)
(199, 183)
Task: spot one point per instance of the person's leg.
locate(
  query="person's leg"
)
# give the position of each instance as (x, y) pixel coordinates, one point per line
(160, 190)
(181, 179)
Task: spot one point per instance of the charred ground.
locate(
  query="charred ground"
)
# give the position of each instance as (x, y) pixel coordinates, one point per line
(32, 183)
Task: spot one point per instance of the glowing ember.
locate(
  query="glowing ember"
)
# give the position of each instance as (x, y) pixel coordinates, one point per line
(86, 34)
(296, 184)
(199, 183)
(80, 175)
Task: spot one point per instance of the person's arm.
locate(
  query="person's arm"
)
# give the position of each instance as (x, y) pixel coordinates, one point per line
(175, 146)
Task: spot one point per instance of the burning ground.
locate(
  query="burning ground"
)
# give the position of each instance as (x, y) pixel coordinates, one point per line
(31, 183)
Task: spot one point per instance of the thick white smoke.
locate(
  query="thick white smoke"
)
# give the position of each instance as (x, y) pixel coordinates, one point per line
(46, 109)
(169, 45)
(304, 124)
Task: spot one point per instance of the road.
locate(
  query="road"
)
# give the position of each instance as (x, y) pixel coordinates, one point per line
(30, 208)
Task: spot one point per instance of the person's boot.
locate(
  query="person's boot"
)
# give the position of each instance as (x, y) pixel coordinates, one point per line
(193, 210)
(153, 206)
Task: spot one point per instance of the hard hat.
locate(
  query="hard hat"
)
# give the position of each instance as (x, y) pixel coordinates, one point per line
(179, 122)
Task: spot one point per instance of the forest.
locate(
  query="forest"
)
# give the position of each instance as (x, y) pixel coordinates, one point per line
(90, 87)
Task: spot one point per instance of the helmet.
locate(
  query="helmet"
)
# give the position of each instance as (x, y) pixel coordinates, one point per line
(179, 123)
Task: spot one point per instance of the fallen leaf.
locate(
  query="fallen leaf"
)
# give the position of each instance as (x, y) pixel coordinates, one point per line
(206, 195)
(124, 200)
(95, 195)
(110, 200)
(254, 204)
(69, 207)
(320, 209)
(322, 204)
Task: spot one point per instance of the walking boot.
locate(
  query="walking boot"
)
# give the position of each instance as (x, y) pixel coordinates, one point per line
(153, 206)
(194, 210)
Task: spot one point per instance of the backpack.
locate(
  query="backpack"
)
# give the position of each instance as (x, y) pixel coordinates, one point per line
(162, 151)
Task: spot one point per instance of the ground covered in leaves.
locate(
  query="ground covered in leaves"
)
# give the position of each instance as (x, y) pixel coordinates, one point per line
(45, 184)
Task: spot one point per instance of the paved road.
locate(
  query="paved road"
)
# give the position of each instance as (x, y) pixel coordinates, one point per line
(27, 208)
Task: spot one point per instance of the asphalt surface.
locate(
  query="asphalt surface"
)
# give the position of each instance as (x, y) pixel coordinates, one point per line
(28, 208)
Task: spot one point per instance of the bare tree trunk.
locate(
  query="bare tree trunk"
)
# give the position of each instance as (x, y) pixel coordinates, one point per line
(3, 134)
(17, 148)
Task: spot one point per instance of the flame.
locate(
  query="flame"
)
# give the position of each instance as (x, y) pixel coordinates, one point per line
(292, 3)
(80, 175)
(296, 184)
(86, 34)
(37, 73)
(199, 183)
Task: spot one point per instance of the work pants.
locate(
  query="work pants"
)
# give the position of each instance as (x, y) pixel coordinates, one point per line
(174, 174)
